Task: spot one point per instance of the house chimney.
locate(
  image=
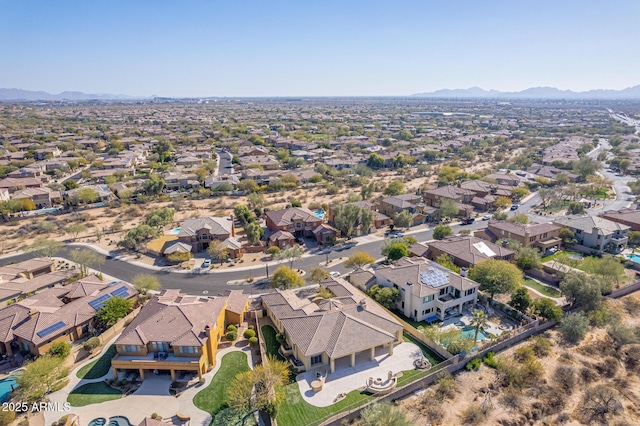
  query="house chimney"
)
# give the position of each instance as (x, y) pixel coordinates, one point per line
(459, 186)
(363, 303)
(233, 228)
(464, 272)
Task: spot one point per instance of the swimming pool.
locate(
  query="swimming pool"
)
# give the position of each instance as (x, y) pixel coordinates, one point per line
(113, 421)
(319, 214)
(634, 258)
(174, 231)
(469, 332)
(6, 386)
(119, 421)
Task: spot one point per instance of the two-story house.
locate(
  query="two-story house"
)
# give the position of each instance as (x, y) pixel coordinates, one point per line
(462, 197)
(177, 333)
(597, 233)
(199, 233)
(428, 291)
(298, 221)
(543, 236)
(467, 250)
(42, 197)
(629, 217)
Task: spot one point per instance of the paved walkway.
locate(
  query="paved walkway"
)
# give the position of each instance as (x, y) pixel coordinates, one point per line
(152, 397)
(347, 378)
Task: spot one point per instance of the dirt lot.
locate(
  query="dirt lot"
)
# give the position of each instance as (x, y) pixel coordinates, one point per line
(551, 397)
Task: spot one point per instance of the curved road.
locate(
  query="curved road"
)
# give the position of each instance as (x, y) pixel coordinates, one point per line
(214, 283)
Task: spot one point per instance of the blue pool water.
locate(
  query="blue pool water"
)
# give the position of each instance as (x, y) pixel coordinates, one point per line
(634, 258)
(119, 421)
(469, 332)
(113, 421)
(319, 214)
(174, 231)
(6, 386)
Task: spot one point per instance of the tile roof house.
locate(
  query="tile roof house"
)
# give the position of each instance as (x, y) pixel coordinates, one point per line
(542, 236)
(299, 221)
(597, 233)
(178, 333)
(320, 332)
(462, 197)
(428, 291)
(58, 314)
(16, 184)
(198, 233)
(42, 197)
(466, 250)
(629, 217)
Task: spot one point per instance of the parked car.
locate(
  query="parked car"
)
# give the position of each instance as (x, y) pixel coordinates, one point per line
(334, 273)
(348, 246)
(468, 221)
(206, 264)
(326, 251)
(397, 235)
(514, 207)
(487, 217)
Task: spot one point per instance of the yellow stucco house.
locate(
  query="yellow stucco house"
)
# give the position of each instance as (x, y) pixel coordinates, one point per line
(177, 333)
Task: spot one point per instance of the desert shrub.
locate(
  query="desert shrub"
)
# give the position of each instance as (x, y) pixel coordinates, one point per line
(231, 335)
(248, 334)
(473, 415)
(632, 357)
(563, 418)
(565, 377)
(91, 344)
(251, 327)
(588, 374)
(608, 367)
(489, 360)
(524, 354)
(541, 346)
(253, 340)
(552, 401)
(631, 305)
(474, 364)
(447, 386)
(232, 327)
(60, 349)
(431, 408)
(511, 398)
(574, 327)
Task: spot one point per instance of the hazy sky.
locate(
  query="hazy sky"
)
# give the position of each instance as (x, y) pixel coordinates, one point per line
(322, 48)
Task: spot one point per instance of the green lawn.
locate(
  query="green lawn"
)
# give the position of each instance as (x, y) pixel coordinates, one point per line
(99, 367)
(553, 256)
(295, 411)
(212, 398)
(92, 393)
(547, 291)
(230, 417)
(269, 334)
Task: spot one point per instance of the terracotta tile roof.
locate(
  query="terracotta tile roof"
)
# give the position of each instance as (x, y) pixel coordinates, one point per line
(175, 318)
(424, 275)
(520, 229)
(215, 226)
(286, 217)
(236, 301)
(350, 322)
(470, 249)
(588, 223)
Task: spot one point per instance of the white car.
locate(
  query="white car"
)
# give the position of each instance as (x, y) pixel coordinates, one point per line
(206, 264)
(486, 217)
(334, 274)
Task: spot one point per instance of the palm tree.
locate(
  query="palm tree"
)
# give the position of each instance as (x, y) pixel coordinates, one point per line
(478, 321)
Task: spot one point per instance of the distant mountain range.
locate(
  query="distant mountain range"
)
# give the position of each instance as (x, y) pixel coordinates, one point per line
(30, 95)
(534, 93)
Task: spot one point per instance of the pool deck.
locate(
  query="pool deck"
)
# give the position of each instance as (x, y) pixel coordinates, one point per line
(347, 378)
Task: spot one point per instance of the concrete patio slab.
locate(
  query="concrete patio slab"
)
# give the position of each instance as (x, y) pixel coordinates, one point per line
(347, 378)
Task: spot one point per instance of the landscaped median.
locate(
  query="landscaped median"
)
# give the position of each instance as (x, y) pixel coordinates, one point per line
(545, 290)
(98, 367)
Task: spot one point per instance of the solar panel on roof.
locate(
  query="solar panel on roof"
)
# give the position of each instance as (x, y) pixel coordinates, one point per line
(112, 283)
(98, 302)
(434, 278)
(51, 329)
(121, 292)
